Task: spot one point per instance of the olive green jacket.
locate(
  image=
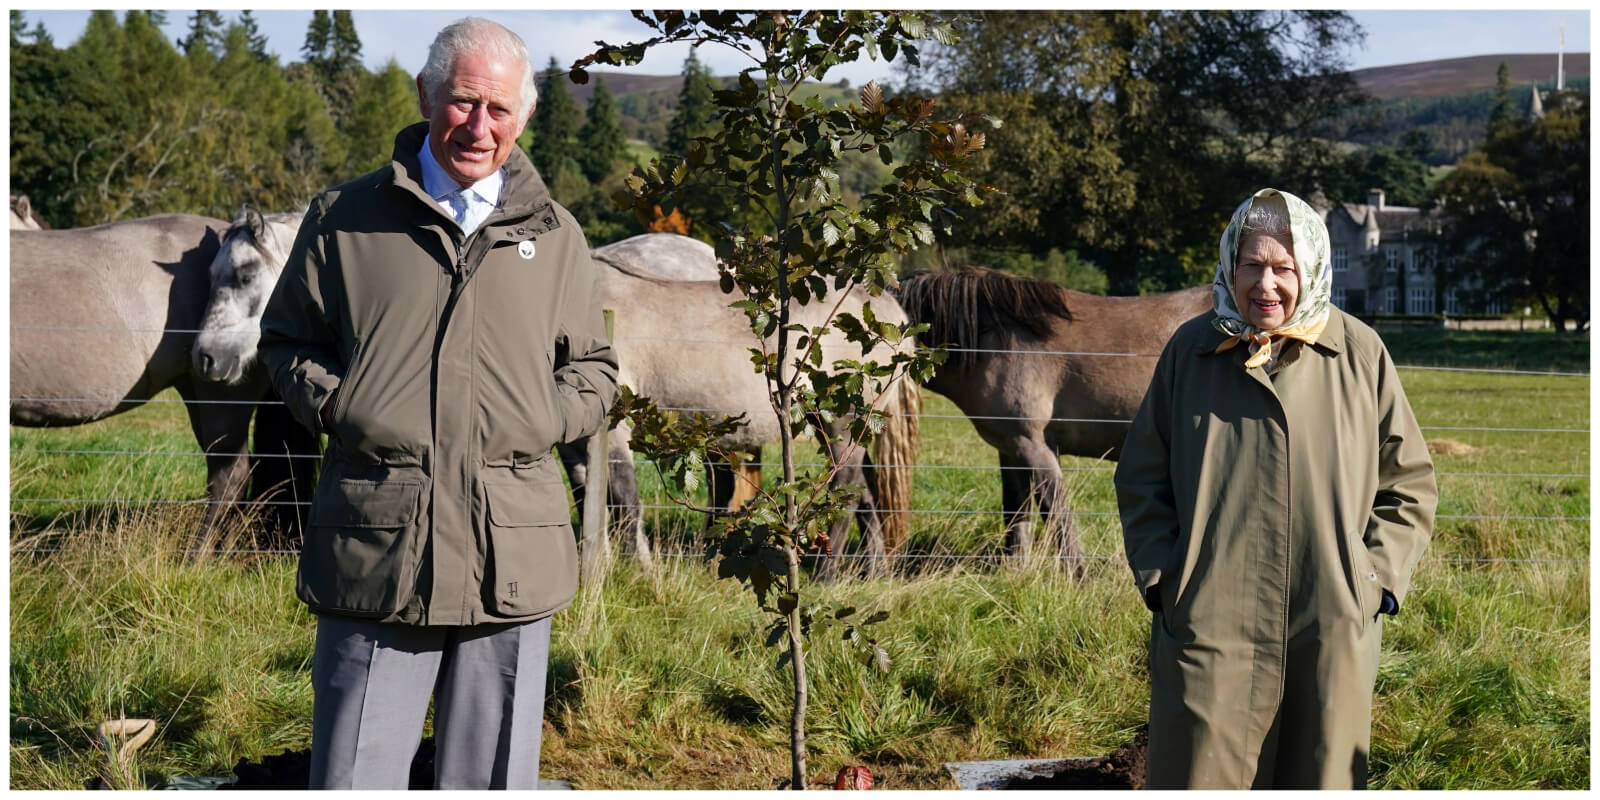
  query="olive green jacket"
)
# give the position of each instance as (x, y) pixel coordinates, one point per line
(459, 363)
(1269, 513)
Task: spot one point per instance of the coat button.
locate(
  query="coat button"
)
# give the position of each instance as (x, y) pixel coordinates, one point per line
(1372, 576)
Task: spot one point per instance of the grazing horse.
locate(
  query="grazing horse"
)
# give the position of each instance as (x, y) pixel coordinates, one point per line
(679, 343)
(242, 276)
(1043, 371)
(103, 318)
(23, 217)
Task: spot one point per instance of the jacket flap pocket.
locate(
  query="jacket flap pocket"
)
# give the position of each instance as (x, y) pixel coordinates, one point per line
(519, 505)
(368, 504)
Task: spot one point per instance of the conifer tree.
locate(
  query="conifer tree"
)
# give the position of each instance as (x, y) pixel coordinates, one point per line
(254, 38)
(344, 46)
(555, 125)
(695, 107)
(318, 35)
(1504, 111)
(601, 136)
(205, 33)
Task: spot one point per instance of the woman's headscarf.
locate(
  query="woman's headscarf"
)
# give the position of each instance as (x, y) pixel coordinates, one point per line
(1309, 237)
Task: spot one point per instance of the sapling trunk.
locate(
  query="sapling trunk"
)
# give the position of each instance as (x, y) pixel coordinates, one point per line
(797, 654)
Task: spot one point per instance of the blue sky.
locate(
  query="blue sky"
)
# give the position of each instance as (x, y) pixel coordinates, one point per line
(1393, 37)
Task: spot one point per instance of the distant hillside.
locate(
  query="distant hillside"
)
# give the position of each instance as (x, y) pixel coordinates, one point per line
(1453, 76)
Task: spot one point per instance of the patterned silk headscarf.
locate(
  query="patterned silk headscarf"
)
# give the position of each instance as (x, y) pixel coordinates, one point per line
(1311, 260)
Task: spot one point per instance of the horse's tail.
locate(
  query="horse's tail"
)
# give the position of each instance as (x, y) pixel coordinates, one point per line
(957, 305)
(894, 451)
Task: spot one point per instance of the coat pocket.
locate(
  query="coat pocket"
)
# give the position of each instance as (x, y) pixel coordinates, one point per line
(533, 555)
(360, 556)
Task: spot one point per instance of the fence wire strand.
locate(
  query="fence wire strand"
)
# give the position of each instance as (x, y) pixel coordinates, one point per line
(748, 343)
(647, 464)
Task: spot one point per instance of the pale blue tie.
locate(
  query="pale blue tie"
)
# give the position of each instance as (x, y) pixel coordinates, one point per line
(458, 206)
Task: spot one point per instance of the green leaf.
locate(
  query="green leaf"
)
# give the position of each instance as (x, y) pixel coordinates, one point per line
(788, 602)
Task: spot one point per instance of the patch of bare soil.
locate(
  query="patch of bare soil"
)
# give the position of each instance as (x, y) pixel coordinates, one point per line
(1123, 769)
(1450, 447)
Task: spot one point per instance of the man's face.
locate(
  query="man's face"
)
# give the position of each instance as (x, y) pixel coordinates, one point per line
(473, 120)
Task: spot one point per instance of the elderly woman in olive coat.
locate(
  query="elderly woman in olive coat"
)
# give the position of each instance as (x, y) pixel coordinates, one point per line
(1275, 495)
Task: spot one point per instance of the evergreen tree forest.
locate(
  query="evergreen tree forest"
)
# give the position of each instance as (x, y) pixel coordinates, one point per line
(1119, 141)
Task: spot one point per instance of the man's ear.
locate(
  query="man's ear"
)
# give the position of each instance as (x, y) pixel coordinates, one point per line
(422, 100)
(527, 119)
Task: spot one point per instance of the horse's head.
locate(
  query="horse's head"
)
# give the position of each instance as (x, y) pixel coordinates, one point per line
(22, 216)
(243, 275)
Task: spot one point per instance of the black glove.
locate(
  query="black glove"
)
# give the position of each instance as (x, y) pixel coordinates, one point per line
(1388, 605)
(1152, 599)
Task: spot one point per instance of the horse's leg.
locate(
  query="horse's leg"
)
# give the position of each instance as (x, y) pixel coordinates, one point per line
(1055, 508)
(283, 469)
(622, 493)
(850, 461)
(575, 460)
(1016, 486)
(223, 431)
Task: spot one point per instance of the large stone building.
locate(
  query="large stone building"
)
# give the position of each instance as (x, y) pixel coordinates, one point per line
(1383, 260)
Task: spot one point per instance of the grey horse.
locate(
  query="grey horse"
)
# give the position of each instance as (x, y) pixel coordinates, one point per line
(679, 343)
(252, 253)
(103, 319)
(1043, 371)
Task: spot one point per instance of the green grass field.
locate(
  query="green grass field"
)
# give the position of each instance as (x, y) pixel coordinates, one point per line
(662, 680)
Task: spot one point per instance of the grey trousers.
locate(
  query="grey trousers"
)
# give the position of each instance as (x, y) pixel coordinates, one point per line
(371, 684)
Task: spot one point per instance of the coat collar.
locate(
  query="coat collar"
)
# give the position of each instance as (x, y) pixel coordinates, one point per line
(523, 195)
(1331, 341)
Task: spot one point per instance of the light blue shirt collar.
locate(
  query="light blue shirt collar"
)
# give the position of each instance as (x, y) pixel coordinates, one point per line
(481, 196)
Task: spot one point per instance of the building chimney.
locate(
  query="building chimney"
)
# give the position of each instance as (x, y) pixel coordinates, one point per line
(1375, 198)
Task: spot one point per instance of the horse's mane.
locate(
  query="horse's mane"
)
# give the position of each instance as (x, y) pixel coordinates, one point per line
(959, 305)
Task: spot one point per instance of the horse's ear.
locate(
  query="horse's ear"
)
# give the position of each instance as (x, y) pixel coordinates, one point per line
(21, 205)
(257, 223)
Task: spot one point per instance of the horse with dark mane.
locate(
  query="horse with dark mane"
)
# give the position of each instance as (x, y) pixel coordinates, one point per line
(1042, 371)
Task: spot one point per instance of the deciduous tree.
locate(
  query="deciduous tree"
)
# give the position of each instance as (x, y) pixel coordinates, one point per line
(778, 154)
(1517, 214)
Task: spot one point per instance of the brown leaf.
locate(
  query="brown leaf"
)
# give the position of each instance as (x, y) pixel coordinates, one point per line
(871, 97)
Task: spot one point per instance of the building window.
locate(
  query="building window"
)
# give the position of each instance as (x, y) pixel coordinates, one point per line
(1339, 295)
(1392, 255)
(1391, 297)
(1341, 261)
(1452, 301)
(1421, 262)
(1419, 301)
(1494, 306)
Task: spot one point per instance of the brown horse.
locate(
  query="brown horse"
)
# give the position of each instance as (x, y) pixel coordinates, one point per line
(1043, 371)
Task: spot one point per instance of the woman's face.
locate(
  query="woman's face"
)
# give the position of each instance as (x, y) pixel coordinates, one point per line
(1265, 282)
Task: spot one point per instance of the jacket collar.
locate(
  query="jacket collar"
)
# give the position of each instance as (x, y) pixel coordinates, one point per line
(1331, 341)
(523, 194)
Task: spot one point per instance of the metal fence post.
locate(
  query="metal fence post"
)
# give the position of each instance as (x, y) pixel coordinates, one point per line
(596, 545)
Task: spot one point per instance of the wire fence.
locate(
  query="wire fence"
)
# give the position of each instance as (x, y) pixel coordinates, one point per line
(921, 512)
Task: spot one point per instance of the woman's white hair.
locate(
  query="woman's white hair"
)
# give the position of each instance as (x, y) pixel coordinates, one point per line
(1267, 215)
(479, 35)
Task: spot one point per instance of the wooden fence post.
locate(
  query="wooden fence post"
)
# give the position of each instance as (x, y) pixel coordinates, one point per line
(596, 545)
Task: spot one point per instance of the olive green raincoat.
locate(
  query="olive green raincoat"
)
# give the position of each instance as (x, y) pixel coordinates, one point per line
(1269, 513)
(459, 362)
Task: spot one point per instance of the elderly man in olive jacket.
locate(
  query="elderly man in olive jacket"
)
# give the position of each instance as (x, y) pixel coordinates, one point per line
(438, 320)
(1275, 494)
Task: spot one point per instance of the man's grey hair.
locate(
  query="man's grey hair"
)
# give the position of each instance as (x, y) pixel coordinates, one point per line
(476, 34)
